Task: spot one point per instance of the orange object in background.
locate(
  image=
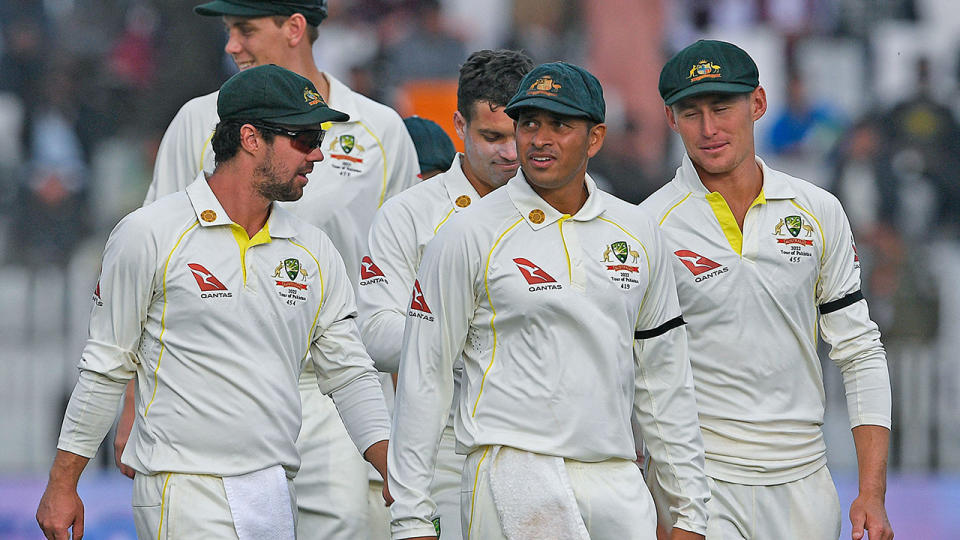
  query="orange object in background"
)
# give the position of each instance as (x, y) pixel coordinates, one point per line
(434, 99)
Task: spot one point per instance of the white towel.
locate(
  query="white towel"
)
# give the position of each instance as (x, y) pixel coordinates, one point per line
(260, 504)
(533, 496)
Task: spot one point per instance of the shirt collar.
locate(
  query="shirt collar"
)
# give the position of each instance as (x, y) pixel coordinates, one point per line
(539, 214)
(775, 184)
(210, 212)
(461, 192)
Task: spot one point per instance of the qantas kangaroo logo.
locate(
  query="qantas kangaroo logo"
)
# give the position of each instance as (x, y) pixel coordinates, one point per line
(695, 262)
(369, 270)
(533, 273)
(205, 279)
(419, 303)
(536, 277)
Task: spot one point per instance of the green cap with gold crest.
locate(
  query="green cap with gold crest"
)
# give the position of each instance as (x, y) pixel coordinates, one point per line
(708, 66)
(274, 95)
(560, 88)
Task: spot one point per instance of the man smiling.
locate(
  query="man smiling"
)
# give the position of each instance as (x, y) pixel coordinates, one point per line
(190, 302)
(563, 352)
(761, 258)
(369, 159)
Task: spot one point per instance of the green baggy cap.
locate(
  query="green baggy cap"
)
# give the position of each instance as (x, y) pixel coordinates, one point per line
(276, 96)
(561, 88)
(315, 11)
(435, 150)
(705, 67)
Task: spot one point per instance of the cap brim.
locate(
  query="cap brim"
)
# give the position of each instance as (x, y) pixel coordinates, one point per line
(714, 87)
(219, 7)
(547, 104)
(310, 119)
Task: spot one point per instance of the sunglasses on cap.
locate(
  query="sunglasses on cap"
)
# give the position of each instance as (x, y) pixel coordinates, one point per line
(305, 140)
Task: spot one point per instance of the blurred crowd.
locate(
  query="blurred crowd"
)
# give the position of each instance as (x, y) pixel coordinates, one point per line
(87, 88)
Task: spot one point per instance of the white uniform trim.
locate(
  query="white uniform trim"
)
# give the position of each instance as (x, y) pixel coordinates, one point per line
(566, 356)
(224, 321)
(752, 319)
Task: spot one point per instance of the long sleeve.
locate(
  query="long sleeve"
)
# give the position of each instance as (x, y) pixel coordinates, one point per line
(344, 369)
(664, 404)
(382, 299)
(845, 321)
(440, 312)
(109, 358)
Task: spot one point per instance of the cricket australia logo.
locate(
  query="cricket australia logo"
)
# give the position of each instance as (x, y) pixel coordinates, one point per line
(621, 250)
(310, 97)
(794, 225)
(292, 269)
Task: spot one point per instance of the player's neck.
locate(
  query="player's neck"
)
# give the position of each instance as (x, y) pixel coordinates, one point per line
(301, 62)
(739, 187)
(482, 188)
(239, 199)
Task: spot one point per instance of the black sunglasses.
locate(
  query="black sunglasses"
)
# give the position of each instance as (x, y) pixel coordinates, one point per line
(304, 141)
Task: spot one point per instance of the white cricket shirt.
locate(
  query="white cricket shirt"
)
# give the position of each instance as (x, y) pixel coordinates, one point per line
(752, 301)
(545, 308)
(366, 160)
(216, 328)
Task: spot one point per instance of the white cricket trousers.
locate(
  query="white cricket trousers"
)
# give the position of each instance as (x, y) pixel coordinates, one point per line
(611, 495)
(332, 482)
(177, 506)
(807, 509)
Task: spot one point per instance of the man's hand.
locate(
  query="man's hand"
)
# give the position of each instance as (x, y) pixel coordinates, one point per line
(124, 425)
(868, 512)
(680, 534)
(60, 507)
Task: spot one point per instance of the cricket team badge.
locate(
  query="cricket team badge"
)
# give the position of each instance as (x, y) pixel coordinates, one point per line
(704, 69)
(290, 277)
(345, 152)
(620, 272)
(794, 237)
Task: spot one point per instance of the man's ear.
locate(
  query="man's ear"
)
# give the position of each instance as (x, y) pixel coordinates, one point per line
(460, 125)
(671, 119)
(295, 29)
(758, 103)
(595, 139)
(250, 139)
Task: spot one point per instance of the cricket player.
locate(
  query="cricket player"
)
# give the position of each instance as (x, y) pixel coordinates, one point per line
(407, 223)
(559, 301)
(212, 298)
(760, 257)
(369, 159)
(435, 151)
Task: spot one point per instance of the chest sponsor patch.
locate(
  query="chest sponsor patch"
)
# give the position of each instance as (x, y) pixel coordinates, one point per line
(97, 299)
(701, 267)
(210, 286)
(537, 278)
(370, 273)
(418, 304)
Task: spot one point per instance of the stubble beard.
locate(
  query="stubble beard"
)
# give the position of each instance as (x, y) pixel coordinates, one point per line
(272, 185)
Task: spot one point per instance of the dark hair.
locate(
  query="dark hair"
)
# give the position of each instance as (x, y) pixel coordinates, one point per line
(491, 76)
(226, 139)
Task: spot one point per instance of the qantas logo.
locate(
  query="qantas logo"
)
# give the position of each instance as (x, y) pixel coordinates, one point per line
(698, 264)
(533, 273)
(207, 281)
(418, 306)
(96, 295)
(695, 262)
(369, 271)
(536, 277)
